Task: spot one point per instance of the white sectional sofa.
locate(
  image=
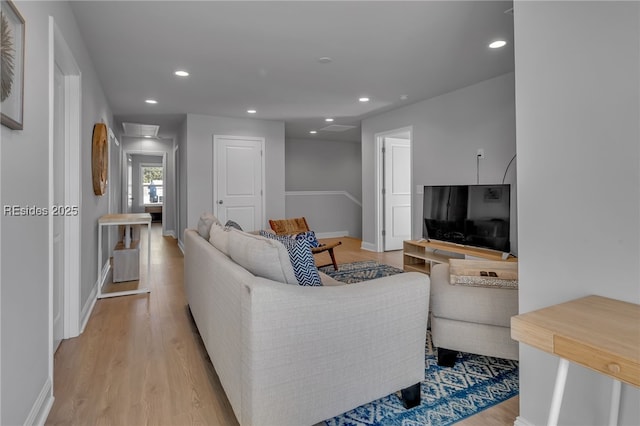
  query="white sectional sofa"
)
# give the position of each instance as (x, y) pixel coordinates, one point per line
(294, 355)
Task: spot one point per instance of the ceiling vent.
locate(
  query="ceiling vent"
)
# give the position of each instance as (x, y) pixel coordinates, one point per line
(337, 128)
(140, 130)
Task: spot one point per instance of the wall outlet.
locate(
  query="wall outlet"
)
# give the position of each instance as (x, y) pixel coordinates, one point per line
(480, 153)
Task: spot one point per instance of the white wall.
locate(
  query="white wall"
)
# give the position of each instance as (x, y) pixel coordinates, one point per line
(321, 165)
(578, 137)
(24, 314)
(447, 131)
(323, 181)
(199, 164)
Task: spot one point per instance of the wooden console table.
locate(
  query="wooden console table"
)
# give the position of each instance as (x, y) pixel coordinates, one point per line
(421, 255)
(596, 332)
(124, 219)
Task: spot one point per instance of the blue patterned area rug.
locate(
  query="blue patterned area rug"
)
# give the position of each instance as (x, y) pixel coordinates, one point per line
(449, 395)
(360, 271)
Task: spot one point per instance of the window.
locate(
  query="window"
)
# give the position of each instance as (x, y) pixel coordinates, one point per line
(152, 184)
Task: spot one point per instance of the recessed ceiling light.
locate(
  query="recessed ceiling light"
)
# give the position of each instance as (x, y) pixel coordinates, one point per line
(151, 101)
(313, 132)
(181, 73)
(497, 44)
(325, 60)
(147, 136)
(328, 119)
(364, 99)
(404, 97)
(252, 111)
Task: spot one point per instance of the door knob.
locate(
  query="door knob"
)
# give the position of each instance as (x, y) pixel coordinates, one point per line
(219, 201)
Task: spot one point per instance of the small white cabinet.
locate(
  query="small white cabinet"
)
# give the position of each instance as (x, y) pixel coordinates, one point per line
(126, 262)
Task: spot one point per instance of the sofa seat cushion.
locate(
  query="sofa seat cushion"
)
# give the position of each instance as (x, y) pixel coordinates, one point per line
(494, 306)
(261, 256)
(301, 257)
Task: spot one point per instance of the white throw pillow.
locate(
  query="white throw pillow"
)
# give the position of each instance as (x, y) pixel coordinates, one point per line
(219, 238)
(204, 224)
(261, 256)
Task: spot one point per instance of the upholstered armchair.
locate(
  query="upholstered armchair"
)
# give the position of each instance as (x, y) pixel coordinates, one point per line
(471, 319)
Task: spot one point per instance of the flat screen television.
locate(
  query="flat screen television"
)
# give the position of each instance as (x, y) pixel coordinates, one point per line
(472, 215)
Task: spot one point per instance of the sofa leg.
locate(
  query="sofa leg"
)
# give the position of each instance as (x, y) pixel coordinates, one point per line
(411, 396)
(446, 357)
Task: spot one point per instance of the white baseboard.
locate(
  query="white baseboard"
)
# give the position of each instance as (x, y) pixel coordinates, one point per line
(170, 233)
(368, 246)
(87, 309)
(42, 405)
(181, 247)
(521, 421)
(336, 234)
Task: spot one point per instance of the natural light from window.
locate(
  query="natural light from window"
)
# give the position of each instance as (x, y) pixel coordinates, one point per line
(152, 184)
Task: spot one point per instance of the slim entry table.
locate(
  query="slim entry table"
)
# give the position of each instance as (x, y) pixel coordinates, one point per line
(596, 332)
(124, 219)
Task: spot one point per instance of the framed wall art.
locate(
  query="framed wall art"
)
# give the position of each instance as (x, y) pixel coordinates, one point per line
(11, 66)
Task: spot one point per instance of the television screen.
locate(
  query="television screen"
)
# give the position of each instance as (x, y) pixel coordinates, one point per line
(474, 215)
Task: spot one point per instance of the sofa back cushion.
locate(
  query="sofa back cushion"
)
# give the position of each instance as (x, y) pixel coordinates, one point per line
(261, 256)
(219, 238)
(204, 224)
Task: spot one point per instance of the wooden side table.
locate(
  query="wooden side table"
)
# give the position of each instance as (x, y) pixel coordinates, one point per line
(596, 332)
(124, 219)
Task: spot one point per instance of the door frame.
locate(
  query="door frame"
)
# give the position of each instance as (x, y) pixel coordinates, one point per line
(162, 154)
(216, 141)
(60, 53)
(176, 183)
(114, 198)
(379, 181)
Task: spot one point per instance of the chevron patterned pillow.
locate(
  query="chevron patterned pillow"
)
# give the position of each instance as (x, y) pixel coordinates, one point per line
(301, 258)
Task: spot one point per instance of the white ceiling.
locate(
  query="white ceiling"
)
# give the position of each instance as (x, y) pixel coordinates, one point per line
(264, 55)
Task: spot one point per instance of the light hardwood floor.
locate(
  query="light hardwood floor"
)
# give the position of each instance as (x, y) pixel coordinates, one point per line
(141, 361)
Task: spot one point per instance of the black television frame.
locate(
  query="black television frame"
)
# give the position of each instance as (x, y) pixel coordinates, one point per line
(478, 216)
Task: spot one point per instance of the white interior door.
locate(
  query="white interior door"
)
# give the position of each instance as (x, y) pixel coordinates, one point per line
(238, 181)
(397, 192)
(58, 200)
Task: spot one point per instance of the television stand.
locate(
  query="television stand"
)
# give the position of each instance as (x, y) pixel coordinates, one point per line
(421, 255)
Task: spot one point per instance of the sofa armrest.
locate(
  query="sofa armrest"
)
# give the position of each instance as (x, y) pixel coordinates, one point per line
(310, 353)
